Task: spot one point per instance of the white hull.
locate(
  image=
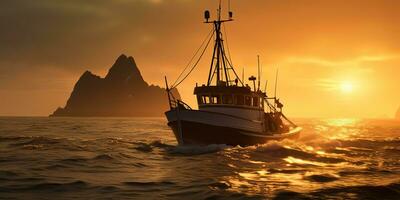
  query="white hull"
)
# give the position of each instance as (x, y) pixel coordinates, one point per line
(203, 127)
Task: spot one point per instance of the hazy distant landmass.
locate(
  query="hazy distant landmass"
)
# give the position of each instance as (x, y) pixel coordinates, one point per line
(122, 93)
(398, 113)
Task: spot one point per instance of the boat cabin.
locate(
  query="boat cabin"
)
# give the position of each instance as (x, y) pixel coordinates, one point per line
(234, 100)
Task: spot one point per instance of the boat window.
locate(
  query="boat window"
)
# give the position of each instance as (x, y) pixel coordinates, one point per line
(239, 99)
(227, 99)
(199, 100)
(255, 101)
(206, 99)
(215, 99)
(247, 101)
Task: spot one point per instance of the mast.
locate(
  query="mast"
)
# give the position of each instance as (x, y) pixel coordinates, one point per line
(219, 69)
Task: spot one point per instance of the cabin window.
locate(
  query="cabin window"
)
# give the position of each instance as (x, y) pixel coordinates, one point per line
(199, 100)
(215, 99)
(247, 101)
(227, 99)
(239, 99)
(255, 101)
(206, 99)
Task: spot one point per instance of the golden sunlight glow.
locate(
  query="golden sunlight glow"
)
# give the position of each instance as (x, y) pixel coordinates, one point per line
(346, 87)
(342, 122)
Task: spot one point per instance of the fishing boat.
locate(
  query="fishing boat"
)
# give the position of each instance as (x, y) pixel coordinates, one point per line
(229, 110)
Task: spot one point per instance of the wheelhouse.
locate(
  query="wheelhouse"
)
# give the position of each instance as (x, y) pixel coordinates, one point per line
(229, 96)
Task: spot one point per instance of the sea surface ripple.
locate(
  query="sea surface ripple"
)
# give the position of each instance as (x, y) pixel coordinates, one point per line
(138, 158)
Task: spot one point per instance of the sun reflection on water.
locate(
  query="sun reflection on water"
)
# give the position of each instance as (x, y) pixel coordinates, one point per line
(330, 154)
(293, 160)
(342, 122)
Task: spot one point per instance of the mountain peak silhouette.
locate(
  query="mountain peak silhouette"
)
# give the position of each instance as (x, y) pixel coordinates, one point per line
(125, 70)
(123, 92)
(88, 75)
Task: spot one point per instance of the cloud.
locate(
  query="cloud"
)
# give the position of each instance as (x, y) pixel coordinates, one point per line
(67, 33)
(354, 62)
(311, 40)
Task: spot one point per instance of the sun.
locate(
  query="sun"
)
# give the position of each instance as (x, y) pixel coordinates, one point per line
(346, 87)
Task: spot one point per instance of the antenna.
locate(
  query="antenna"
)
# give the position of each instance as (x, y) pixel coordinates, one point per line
(265, 88)
(258, 60)
(230, 11)
(276, 80)
(219, 10)
(243, 75)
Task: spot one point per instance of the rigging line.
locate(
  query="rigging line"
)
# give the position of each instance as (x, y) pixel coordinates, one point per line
(230, 64)
(223, 57)
(226, 42)
(225, 60)
(191, 60)
(197, 62)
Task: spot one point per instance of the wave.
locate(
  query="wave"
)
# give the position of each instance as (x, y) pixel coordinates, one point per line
(74, 160)
(33, 142)
(197, 150)
(149, 147)
(277, 150)
(103, 157)
(60, 186)
(186, 150)
(12, 138)
(148, 184)
(391, 148)
(144, 147)
(7, 173)
(47, 186)
(321, 178)
(159, 144)
(370, 142)
(390, 191)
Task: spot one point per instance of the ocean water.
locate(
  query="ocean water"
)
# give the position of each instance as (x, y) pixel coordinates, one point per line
(138, 158)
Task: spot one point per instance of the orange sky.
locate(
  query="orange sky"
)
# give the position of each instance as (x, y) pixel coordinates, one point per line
(336, 58)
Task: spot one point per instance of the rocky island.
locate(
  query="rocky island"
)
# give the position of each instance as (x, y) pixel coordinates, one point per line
(122, 93)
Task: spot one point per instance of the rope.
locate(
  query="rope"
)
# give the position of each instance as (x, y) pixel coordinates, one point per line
(229, 58)
(197, 51)
(230, 64)
(197, 62)
(227, 46)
